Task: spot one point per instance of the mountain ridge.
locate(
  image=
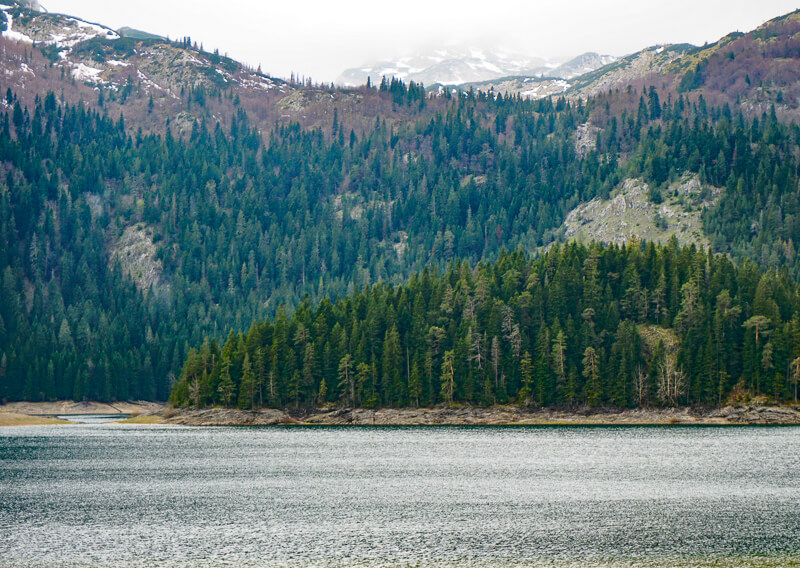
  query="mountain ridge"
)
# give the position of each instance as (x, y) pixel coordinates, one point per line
(461, 67)
(153, 194)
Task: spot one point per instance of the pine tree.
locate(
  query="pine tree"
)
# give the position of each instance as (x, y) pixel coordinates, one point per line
(448, 378)
(226, 386)
(592, 374)
(247, 390)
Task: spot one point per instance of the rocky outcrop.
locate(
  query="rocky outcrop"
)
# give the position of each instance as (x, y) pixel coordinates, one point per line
(136, 253)
(418, 416)
(758, 414)
(650, 61)
(496, 415)
(632, 213)
(585, 138)
(226, 417)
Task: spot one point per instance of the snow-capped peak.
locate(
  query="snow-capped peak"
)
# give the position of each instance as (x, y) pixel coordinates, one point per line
(455, 66)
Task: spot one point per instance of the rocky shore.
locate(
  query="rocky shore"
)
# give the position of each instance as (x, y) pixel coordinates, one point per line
(462, 416)
(153, 413)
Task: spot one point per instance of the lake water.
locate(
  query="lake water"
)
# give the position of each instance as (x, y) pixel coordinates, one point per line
(93, 418)
(125, 495)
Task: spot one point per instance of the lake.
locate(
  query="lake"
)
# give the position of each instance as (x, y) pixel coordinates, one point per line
(135, 495)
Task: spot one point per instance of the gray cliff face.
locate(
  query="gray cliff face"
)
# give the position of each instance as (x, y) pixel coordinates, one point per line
(137, 255)
(630, 213)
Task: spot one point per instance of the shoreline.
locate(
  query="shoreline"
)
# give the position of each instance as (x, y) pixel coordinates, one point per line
(46, 413)
(84, 407)
(43, 413)
(12, 419)
(476, 416)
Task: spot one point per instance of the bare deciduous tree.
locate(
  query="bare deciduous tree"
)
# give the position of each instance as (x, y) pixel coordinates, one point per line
(476, 349)
(194, 392)
(496, 360)
(671, 381)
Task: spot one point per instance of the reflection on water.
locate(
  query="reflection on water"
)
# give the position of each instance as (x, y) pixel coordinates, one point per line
(93, 418)
(123, 495)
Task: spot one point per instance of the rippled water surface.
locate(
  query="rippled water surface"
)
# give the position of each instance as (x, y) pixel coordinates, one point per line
(122, 495)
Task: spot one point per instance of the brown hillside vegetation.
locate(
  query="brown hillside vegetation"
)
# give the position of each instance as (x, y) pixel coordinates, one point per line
(755, 71)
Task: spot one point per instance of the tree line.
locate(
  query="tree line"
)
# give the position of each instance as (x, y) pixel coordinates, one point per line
(244, 221)
(625, 326)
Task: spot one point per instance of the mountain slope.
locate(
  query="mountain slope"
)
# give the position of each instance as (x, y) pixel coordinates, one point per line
(619, 326)
(153, 195)
(754, 71)
(635, 211)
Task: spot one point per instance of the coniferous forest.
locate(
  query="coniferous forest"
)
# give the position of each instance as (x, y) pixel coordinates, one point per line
(621, 326)
(249, 225)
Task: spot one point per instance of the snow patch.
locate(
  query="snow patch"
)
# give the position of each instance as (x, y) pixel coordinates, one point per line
(546, 89)
(256, 82)
(85, 73)
(72, 31)
(10, 33)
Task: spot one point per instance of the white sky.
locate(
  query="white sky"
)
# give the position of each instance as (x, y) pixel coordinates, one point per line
(320, 38)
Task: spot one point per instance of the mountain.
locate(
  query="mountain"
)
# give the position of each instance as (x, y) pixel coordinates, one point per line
(543, 82)
(584, 63)
(137, 34)
(755, 71)
(130, 71)
(154, 195)
(21, 22)
(446, 67)
(469, 66)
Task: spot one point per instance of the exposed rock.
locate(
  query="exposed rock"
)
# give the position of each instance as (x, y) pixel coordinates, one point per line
(29, 23)
(622, 72)
(525, 87)
(496, 415)
(136, 254)
(294, 102)
(631, 214)
(227, 417)
(586, 138)
(185, 121)
(758, 414)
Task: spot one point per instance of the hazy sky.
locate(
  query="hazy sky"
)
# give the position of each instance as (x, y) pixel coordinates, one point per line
(320, 38)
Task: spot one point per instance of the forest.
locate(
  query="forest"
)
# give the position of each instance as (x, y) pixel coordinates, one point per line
(620, 326)
(250, 224)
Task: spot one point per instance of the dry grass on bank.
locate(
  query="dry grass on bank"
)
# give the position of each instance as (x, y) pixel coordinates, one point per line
(143, 419)
(14, 419)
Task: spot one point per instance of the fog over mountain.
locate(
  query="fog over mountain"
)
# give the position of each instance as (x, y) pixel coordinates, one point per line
(457, 66)
(320, 39)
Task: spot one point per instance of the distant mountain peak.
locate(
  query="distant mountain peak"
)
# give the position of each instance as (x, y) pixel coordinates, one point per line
(464, 65)
(450, 66)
